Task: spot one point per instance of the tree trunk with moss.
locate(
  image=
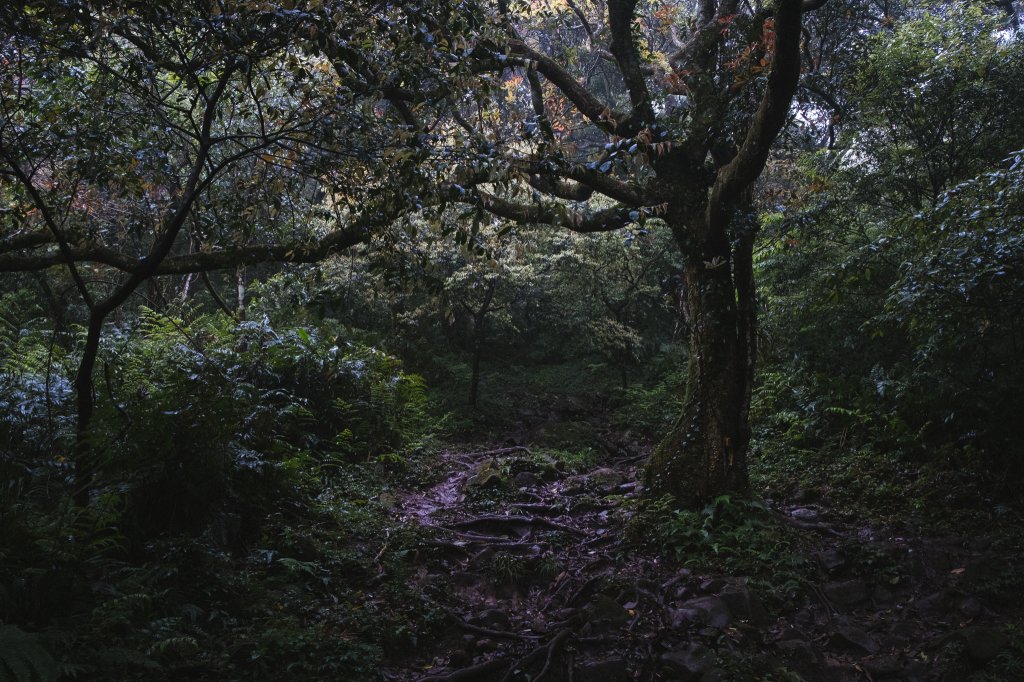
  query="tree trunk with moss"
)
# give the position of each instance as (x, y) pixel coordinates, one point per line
(704, 454)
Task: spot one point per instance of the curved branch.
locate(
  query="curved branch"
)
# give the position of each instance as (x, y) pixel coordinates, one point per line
(620, 21)
(585, 102)
(608, 185)
(771, 114)
(605, 220)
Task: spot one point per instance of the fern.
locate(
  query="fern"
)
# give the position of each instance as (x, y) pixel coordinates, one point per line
(23, 658)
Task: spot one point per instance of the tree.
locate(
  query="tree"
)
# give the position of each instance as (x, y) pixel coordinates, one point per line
(141, 140)
(704, 92)
(892, 276)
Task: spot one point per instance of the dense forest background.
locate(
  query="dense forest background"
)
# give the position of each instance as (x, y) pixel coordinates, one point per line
(300, 299)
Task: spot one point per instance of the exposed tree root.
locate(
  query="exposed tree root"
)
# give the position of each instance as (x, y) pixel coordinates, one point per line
(518, 520)
(473, 672)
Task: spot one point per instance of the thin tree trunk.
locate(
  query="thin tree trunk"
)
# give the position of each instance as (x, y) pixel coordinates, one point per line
(240, 288)
(85, 467)
(479, 330)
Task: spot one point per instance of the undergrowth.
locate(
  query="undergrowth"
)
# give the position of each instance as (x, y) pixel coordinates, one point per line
(728, 537)
(236, 526)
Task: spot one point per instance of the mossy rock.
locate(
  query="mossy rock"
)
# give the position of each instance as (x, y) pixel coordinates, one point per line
(488, 474)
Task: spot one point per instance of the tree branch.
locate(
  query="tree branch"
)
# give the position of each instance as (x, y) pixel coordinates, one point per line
(608, 185)
(771, 114)
(620, 21)
(605, 220)
(585, 102)
(202, 261)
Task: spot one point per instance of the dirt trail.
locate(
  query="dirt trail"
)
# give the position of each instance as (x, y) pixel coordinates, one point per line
(539, 582)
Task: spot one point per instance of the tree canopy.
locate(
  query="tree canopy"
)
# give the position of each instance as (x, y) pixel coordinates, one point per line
(334, 307)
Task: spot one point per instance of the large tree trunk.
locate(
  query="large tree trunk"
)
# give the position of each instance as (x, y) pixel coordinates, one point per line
(704, 454)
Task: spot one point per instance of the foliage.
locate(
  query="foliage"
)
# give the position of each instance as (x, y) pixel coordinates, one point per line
(891, 284)
(730, 537)
(22, 659)
(238, 463)
(650, 407)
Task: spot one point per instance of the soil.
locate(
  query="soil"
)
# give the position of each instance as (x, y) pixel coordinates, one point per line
(532, 566)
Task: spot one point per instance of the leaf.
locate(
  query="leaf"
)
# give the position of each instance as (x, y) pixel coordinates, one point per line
(22, 657)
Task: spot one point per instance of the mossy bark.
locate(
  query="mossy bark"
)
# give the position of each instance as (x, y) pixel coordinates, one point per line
(704, 454)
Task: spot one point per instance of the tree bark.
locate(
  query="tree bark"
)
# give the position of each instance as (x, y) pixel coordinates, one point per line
(479, 330)
(704, 454)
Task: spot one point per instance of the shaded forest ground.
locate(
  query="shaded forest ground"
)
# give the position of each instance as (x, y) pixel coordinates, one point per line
(513, 547)
(546, 567)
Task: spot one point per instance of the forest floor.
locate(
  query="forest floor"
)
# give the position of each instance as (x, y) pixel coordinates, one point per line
(551, 569)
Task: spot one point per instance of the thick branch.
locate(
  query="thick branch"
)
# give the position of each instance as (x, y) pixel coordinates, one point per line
(620, 20)
(537, 99)
(770, 116)
(571, 191)
(605, 220)
(584, 101)
(27, 240)
(608, 185)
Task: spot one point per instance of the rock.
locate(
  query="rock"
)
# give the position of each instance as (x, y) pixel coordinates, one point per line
(564, 614)
(881, 596)
(830, 560)
(710, 611)
(607, 610)
(838, 672)
(903, 633)
(549, 468)
(789, 633)
(979, 543)
(689, 662)
(459, 658)
(713, 585)
(745, 604)
(605, 480)
(387, 501)
(915, 671)
(847, 592)
(932, 604)
(803, 496)
(882, 666)
(850, 639)
(495, 619)
(485, 645)
(526, 479)
(971, 607)
(575, 485)
(611, 670)
(804, 514)
(983, 643)
(799, 650)
(487, 474)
